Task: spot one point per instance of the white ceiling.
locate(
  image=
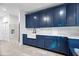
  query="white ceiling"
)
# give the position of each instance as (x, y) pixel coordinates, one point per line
(14, 8)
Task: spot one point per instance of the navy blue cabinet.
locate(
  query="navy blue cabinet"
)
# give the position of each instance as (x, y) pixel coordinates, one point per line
(40, 41)
(71, 14)
(32, 20)
(60, 16)
(51, 43)
(32, 41)
(63, 45)
(73, 43)
(59, 44)
(24, 39)
(28, 21)
(77, 22)
(46, 18)
(29, 41)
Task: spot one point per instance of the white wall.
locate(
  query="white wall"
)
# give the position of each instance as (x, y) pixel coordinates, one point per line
(22, 25)
(71, 32)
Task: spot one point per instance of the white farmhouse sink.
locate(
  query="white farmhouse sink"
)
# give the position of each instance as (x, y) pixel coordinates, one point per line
(30, 35)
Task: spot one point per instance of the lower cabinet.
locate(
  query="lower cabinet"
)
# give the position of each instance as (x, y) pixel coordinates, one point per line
(32, 41)
(40, 41)
(29, 41)
(52, 43)
(55, 43)
(63, 46)
(74, 44)
(24, 39)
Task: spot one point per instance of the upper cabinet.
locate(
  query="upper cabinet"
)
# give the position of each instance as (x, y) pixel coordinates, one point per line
(28, 21)
(32, 20)
(77, 22)
(46, 18)
(71, 14)
(60, 16)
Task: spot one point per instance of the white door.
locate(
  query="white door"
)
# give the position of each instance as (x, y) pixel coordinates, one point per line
(4, 31)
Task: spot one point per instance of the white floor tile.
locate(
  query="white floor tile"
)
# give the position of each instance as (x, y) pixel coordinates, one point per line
(12, 49)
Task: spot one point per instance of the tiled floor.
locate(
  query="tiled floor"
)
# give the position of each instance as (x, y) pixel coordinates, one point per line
(12, 49)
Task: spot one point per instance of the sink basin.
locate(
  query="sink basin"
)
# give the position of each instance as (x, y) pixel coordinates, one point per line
(30, 35)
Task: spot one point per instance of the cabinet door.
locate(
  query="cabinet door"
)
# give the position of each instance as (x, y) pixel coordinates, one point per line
(29, 41)
(60, 16)
(51, 43)
(46, 18)
(63, 45)
(77, 22)
(32, 20)
(24, 39)
(32, 42)
(71, 15)
(29, 21)
(40, 41)
(36, 18)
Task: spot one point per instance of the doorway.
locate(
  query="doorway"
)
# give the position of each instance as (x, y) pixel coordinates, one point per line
(4, 29)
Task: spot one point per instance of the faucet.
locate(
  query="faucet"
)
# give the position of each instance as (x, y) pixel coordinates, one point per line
(34, 31)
